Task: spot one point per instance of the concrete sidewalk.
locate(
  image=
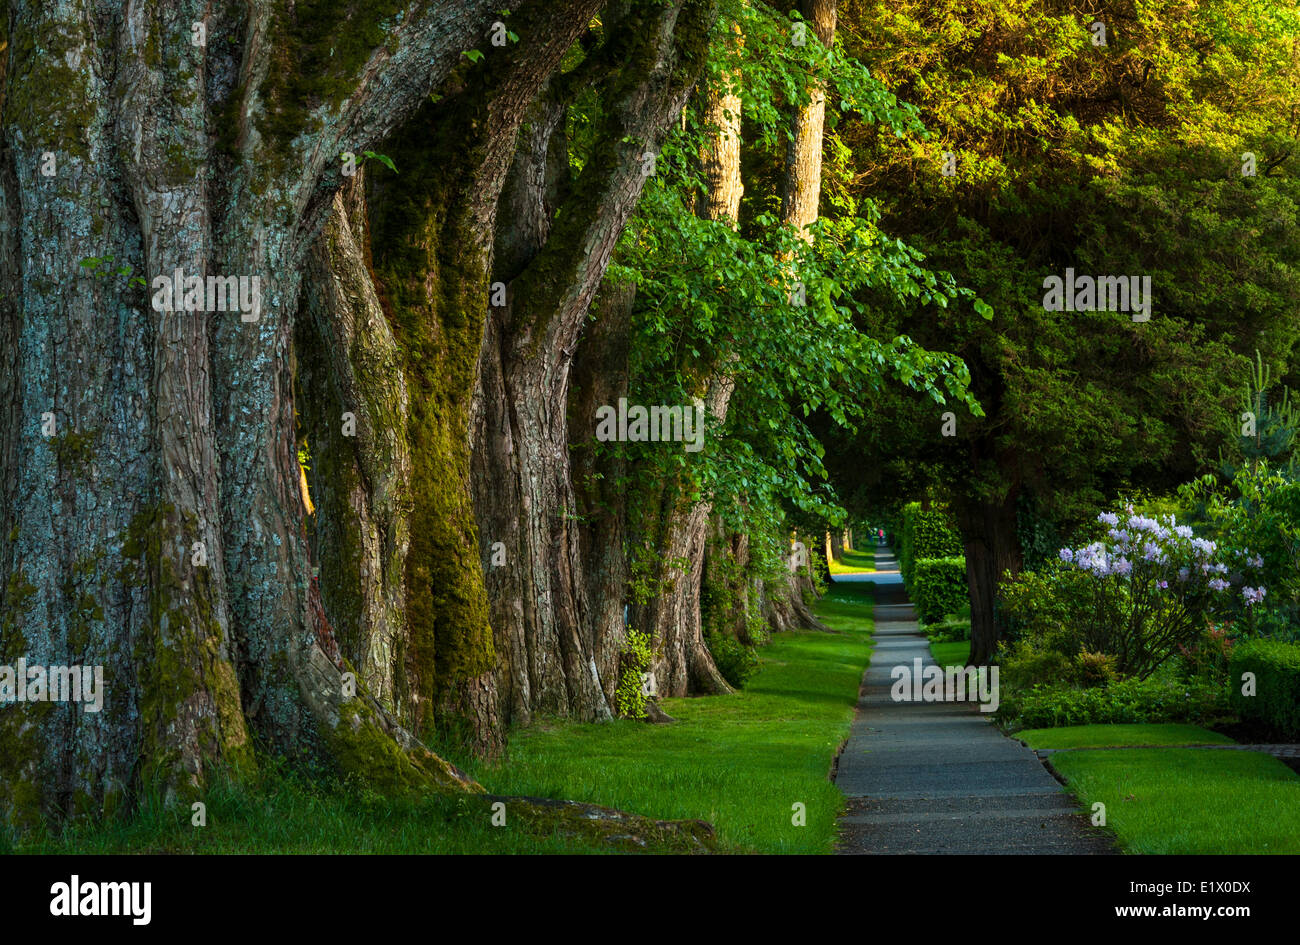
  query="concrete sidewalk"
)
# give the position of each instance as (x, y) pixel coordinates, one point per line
(939, 777)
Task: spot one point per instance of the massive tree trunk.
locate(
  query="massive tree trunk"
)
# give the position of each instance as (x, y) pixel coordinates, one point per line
(360, 465)
(992, 548)
(152, 508)
(553, 247)
(432, 258)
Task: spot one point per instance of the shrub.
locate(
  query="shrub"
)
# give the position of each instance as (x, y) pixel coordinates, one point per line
(1276, 702)
(1042, 606)
(925, 533)
(635, 659)
(736, 661)
(1163, 697)
(1139, 597)
(1094, 669)
(939, 588)
(1208, 657)
(950, 629)
(1025, 664)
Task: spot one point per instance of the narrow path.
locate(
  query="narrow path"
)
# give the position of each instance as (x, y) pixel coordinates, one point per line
(939, 777)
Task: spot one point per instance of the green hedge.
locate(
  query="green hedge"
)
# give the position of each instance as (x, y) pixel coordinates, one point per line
(1162, 698)
(929, 533)
(939, 588)
(1276, 702)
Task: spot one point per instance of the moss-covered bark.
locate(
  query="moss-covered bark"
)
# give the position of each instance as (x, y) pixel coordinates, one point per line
(159, 532)
(553, 248)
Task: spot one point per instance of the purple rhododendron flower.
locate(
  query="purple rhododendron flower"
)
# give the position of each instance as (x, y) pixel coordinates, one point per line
(1252, 595)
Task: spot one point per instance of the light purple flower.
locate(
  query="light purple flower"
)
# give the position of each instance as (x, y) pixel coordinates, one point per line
(1108, 518)
(1067, 555)
(1218, 584)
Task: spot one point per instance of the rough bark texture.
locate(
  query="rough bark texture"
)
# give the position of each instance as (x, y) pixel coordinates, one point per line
(432, 257)
(600, 471)
(553, 248)
(359, 479)
(175, 429)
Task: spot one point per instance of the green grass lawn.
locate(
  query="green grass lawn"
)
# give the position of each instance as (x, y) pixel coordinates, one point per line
(740, 762)
(1109, 736)
(950, 654)
(294, 815)
(856, 561)
(1178, 800)
(1188, 800)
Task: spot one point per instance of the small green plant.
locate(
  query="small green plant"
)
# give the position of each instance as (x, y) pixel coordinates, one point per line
(383, 159)
(635, 660)
(103, 265)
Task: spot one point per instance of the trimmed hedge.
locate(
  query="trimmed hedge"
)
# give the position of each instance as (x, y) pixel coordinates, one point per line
(939, 588)
(1276, 666)
(930, 533)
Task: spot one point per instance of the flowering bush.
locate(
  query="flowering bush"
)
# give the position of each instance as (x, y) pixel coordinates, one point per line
(1139, 595)
(1153, 586)
(1260, 510)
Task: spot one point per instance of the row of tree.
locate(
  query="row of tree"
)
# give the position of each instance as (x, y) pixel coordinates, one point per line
(374, 509)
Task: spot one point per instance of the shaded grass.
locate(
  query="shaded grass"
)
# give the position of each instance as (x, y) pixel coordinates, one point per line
(855, 561)
(1106, 736)
(950, 654)
(738, 761)
(1188, 800)
(741, 762)
(291, 814)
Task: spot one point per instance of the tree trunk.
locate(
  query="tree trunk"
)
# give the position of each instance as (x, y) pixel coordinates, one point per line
(432, 259)
(803, 166)
(360, 480)
(800, 201)
(728, 599)
(552, 252)
(600, 376)
(992, 548)
(157, 530)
